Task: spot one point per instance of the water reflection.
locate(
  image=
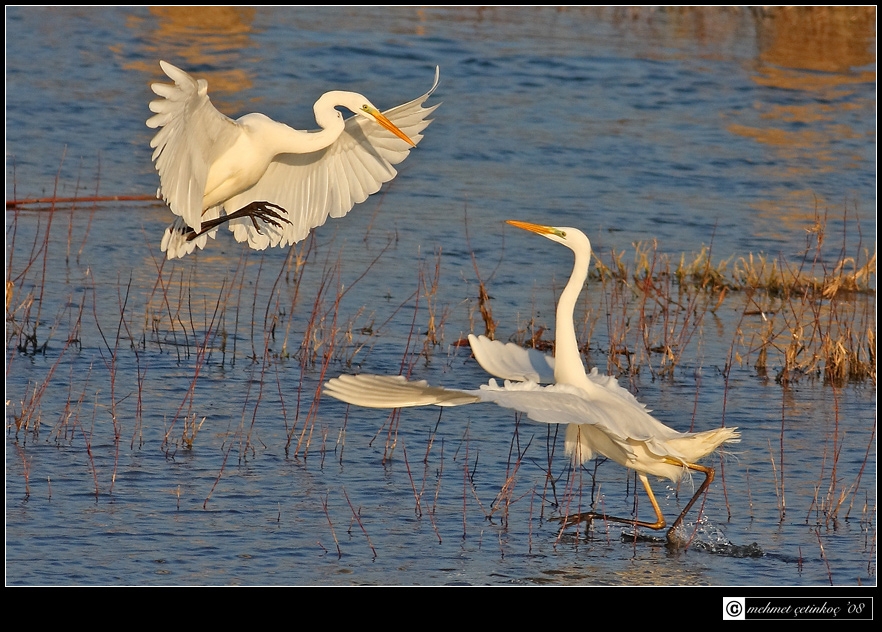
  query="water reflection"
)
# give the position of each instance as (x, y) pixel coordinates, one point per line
(201, 35)
(824, 52)
(197, 38)
(826, 39)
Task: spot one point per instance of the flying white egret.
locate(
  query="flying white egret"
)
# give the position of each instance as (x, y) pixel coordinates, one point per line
(271, 183)
(601, 416)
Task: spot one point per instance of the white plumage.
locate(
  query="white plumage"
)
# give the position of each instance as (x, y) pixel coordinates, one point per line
(601, 417)
(282, 182)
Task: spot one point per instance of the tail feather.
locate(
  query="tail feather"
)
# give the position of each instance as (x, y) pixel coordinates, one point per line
(694, 446)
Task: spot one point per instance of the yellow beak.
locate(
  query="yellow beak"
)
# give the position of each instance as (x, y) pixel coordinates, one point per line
(535, 228)
(389, 125)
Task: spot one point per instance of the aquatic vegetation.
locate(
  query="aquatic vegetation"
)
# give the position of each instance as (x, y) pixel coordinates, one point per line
(283, 326)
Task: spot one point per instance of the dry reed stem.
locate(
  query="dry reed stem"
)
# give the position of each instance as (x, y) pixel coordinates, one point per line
(26, 469)
(438, 477)
(331, 525)
(824, 557)
(856, 484)
(505, 497)
(483, 296)
(778, 483)
(357, 516)
(418, 494)
(95, 199)
(435, 325)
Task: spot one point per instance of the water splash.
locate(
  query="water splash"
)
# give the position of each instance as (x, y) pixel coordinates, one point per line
(706, 536)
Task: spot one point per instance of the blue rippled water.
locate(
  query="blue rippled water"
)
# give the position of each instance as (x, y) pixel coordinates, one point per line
(691, 128)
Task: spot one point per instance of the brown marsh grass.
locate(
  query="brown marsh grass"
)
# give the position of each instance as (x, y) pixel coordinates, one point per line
(811, 318)
(802, 318)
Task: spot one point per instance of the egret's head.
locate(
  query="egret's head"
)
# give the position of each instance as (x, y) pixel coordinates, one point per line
(368, 110)
(325, 110)
(572, 238)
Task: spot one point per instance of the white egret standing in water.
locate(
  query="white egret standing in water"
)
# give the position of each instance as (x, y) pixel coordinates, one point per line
(601, 416)
(271, 183)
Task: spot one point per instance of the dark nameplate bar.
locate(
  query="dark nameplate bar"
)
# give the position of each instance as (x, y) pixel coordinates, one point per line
(797, 608)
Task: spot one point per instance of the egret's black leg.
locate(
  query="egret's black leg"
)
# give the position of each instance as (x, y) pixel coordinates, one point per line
(708, 479)
(588, 516)
(265, 211)
(660, 522)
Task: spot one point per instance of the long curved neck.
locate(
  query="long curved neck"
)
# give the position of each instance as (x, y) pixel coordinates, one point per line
(568, 366)
(283, 139)
(329, 119)
(293, 141)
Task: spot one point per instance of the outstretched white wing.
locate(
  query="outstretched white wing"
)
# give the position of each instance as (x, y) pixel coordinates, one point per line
(388, 391)
(509, 361)
(328, 183)
(192, 134)
(553, 404)
(608, 425)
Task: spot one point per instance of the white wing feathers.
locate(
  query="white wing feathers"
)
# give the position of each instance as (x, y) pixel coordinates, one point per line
(608, 425)
(509, 361)
(310, 187)
(313, 187)
(553, 404)
(388, 391)
(191, 128)
(175, 243)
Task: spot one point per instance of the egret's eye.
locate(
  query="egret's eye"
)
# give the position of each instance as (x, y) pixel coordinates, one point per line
(365, 108)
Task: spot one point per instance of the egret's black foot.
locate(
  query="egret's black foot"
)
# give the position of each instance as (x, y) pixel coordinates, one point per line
(268, 212)
(588, 516)
(272, 214)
